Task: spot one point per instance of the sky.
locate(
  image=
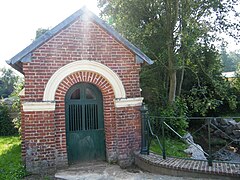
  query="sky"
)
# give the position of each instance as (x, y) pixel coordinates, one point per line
(21, 18)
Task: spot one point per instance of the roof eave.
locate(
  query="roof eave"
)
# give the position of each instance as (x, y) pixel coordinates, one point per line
(17, 66)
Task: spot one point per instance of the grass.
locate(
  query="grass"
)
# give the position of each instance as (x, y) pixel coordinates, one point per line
(11, 166)
(174, 148)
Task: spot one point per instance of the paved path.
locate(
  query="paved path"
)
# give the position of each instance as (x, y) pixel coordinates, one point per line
(104, 171)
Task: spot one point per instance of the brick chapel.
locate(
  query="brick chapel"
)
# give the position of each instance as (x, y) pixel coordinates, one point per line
(82, 95)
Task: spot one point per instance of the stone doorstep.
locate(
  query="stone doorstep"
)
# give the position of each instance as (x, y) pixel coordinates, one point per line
(192, 166)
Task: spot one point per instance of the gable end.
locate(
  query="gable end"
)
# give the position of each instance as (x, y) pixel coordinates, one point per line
(25, 54)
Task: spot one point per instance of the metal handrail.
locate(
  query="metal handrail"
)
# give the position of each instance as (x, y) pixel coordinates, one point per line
(192, 143)
(208, 124)
(151, 131)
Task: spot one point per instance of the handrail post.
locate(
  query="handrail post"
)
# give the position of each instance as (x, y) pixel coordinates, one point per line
(144, 130)
(209, 143)
(163, 140)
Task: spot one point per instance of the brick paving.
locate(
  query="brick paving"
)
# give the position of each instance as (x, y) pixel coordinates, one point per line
(218, 168)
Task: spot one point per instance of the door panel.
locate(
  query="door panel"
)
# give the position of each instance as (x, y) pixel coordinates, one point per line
(86, 146)
(84, 123)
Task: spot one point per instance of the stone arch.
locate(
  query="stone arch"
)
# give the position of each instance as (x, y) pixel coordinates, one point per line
(83, 65)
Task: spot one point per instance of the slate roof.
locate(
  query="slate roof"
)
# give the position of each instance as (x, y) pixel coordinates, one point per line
(25, 54)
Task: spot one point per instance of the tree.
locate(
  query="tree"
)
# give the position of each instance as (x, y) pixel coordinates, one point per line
(235, 58)
(39, 32)
(169, 31)
(236, 81)
(205, 90)
(229, 60)
(7, 81)
(16, 106)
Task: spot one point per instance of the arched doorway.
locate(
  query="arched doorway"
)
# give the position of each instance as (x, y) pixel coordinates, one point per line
(84, 123)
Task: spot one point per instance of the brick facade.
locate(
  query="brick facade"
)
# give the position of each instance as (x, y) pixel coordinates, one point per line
(43, 130)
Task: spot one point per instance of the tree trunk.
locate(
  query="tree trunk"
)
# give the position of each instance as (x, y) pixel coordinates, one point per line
(181, 79)
(172, 89)
(171, 20)
(184, 13)
(172, 75)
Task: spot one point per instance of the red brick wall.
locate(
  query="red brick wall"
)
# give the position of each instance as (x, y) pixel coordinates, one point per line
(44, 132)
(128, 132)
(80, 41)
(39, 140)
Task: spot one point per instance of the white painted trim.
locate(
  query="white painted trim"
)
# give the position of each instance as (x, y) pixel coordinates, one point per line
(128, 102)
(83, 65)
(38, 106)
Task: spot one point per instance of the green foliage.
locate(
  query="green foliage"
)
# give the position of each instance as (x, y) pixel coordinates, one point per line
(204, 89)
(16, 106)
(7, 81)
(182, 49)
(11, 166)
(154, 93)
(174, 116)
(230, 60)
(40, 31)
(236, 81)
(201, 100)
(6, 124)
(174, 148)
(227, 62)
(177, 117)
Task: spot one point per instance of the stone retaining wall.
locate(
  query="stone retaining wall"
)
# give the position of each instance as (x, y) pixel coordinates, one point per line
(230, 127)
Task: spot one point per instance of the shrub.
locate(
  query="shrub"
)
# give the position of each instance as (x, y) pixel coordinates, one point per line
(177, 116)
(6, 124)
(16, 106)
(174, 115)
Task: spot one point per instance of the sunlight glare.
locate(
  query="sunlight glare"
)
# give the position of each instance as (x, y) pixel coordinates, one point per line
(91, 5)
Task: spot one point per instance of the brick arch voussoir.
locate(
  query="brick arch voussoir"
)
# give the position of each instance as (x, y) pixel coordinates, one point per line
(88, 77)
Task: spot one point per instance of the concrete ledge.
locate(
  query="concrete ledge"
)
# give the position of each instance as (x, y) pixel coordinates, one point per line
(128, 102)
(38, 106)
(187, 168)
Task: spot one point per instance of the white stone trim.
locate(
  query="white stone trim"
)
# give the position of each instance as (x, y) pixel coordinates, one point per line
(83, 65)
(128, 102)
(38, 106)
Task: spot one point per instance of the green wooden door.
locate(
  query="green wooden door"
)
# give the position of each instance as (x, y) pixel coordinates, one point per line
(84, 123)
